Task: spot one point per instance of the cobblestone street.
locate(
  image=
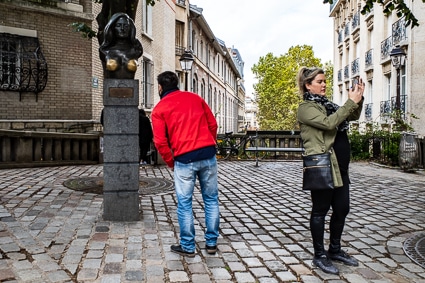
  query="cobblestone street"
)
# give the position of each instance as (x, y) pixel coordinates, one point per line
(51, 233)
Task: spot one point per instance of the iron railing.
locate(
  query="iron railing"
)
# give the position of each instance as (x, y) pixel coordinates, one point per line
(403, 99)
(23, 67)
(340, 37)
(399, 31)
(347, 72)
(384, 148)
(386, 46)
(369, 59)
(355, 22)
(347, 30)
(385, 107)
(355, 70)
(368, 111)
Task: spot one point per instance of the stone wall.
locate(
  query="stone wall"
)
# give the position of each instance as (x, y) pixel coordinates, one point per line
(68, 93)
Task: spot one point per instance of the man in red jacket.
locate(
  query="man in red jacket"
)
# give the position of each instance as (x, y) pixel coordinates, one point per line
(185, 132)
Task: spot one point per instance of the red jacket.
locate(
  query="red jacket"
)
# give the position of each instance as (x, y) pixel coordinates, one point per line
(182, 122)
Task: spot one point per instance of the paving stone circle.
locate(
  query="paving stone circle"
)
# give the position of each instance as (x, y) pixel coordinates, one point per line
(94, 185)
(414, 247)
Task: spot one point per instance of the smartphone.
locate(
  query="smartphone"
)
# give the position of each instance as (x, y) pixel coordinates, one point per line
(354, 82)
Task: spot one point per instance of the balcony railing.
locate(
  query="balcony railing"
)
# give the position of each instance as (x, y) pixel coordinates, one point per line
(402, 103)
(347, 72)
(347, 30)
(181, 2)
(355, 22)
(399, 31)
(385, 107)
(369, 59)
(340, 37)
(355, 70)
(390, 105)
(386, 46)
(368, 111)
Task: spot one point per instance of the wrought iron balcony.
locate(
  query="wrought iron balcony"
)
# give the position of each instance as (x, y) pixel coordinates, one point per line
(347, 30)
(346, 72)
(355, 70)
(369, 59)
(368, 111)
(402, 103)
(389, 106)
(181, 2)
(385, 107)
(386, 46)
(340, 37)
(399, 31)
(355, 22)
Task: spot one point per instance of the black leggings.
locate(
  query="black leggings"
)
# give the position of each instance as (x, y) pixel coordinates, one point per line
(323, 200)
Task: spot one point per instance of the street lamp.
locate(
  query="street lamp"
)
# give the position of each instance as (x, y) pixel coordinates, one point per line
(186, 61)
(398, 58)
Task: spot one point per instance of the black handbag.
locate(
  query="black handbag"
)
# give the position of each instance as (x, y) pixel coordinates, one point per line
(317, 172)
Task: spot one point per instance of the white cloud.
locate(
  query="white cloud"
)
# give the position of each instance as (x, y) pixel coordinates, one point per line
(257, 27)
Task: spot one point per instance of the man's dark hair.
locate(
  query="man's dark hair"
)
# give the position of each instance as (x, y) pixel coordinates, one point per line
(168, 80)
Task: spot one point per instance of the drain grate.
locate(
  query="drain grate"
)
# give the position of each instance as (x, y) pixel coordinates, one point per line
(414, 247)
(94, 185)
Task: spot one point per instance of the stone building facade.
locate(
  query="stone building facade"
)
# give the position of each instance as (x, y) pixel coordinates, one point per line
(72, 94)
(362, 47)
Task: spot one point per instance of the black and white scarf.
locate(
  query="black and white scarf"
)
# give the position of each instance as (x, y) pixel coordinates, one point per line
(329, 106)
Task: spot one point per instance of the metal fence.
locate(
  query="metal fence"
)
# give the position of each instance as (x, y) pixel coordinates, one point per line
(405, 150)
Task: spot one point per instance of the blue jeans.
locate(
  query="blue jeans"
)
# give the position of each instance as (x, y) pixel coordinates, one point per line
(184, 179)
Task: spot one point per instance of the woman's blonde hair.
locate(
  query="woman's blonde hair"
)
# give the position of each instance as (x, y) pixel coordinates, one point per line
(306, 76)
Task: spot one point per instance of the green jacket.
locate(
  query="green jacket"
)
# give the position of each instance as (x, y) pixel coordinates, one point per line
(318, 130)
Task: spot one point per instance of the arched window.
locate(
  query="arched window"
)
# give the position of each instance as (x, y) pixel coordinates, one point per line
(195, 83)
(203, 88)
(210, 100)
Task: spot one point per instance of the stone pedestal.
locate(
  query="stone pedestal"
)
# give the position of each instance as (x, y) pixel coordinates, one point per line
(121, 150)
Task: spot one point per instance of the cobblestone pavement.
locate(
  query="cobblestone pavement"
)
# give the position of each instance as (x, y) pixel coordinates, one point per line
(50, 233)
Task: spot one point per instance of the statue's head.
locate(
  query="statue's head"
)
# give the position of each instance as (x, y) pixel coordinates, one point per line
(120, 26)
(120, 48)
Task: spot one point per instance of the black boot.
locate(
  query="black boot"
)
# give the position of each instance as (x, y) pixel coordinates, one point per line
(325, 264)
(335, 253)
(321, 260)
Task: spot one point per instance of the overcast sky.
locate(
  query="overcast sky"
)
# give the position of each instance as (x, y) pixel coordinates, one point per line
(256, 27)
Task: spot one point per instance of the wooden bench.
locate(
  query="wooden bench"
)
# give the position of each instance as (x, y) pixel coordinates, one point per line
(272, 149)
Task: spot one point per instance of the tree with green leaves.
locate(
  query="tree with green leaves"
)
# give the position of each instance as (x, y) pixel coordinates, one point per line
(277, 91)
(398, 5)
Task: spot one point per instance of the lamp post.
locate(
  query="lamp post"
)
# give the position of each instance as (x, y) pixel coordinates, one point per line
(398, 58)
(186, 61)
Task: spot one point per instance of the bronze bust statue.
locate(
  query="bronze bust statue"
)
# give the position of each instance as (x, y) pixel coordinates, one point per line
(120, 48)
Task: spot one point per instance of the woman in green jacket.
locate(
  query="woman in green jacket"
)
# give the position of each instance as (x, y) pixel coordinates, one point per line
(324, 127)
